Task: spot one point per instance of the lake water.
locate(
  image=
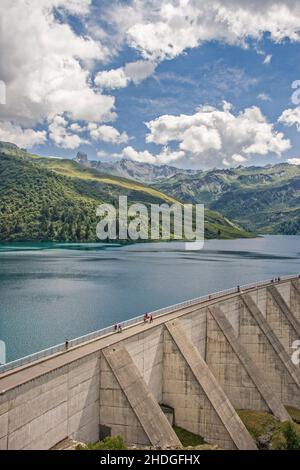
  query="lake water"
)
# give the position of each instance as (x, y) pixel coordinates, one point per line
(50, 292)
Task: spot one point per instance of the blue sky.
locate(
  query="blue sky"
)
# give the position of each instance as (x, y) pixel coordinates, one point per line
(131, 79)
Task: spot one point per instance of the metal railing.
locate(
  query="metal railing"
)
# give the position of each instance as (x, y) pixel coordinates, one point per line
(60, 348)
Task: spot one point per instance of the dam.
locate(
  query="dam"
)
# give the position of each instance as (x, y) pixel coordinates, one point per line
(202, 359)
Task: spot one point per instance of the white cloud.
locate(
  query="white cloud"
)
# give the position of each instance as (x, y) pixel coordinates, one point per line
(65, 135)
(264, 97)
(164, 29)
(61, 133)
(107, 134)
(291, 117)
(75, 127)
(294, 161)
(136, 156)
(238, 158)
(139, 70)
(212, 135)
(225, 162)
(112, 79)
(104, 154)
(134, 72)
(25, 138)
(166, 156)
(75, 7)
(46, 65)
(267, 59)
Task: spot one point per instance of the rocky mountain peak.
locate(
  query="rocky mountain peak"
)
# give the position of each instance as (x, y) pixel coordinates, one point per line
(81, 158)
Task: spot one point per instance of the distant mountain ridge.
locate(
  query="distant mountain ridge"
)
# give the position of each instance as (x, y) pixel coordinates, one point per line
(263, 199)
(143, 172)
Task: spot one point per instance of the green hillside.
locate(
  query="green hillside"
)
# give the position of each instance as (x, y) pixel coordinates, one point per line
(55, 200)
(262, 199)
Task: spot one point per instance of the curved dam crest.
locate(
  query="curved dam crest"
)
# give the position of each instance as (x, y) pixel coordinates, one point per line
(204, 361)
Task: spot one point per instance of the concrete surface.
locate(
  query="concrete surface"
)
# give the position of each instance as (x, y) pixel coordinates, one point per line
(221, 353)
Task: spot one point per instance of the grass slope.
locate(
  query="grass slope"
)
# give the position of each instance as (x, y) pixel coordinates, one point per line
(270, 433)
(187, 438)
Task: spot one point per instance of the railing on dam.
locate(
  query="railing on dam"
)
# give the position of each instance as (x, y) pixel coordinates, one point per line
(59, 348)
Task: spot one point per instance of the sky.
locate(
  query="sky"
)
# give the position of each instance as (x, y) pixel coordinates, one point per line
(189, 83)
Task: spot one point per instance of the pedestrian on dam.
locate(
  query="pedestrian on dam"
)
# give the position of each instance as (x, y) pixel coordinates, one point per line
(146, 317)
(120, 329)
(67, 344)
(151, 318)
(116, 327)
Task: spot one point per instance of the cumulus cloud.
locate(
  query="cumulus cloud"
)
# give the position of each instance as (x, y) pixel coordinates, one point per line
(291, 117)
(109, 155)
(66, 135)
(108, 134)
(238, 158)
(138, 156)
(46, 65)
(75, 7)
(134, 72)
(212, 135)
(294, 161)
(61, 133)
(139, 70)
(75, 127)
(25, 138)
(166, 156)
(112, 79)
(164, 29)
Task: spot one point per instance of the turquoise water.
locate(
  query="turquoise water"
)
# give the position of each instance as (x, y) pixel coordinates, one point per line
(50, 292)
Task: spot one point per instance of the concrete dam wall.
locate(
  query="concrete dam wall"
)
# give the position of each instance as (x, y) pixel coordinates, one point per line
(204, 361)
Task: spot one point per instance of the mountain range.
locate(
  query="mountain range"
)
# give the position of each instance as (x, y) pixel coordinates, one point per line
(55, 199)
(262, 199)
(143, 172)
(52, 199)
